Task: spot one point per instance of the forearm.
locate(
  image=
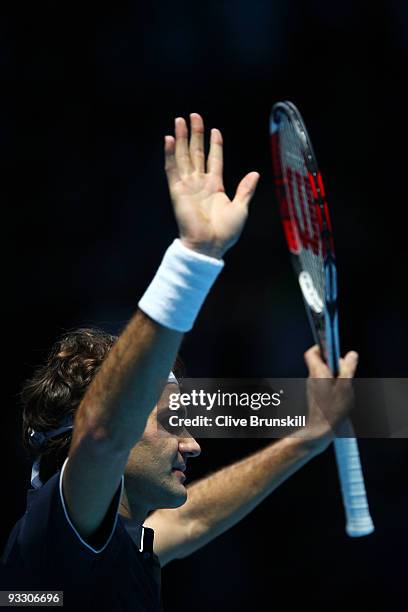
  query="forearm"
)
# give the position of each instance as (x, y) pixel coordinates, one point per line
(219, 501)
(129, 383)
(131, 379)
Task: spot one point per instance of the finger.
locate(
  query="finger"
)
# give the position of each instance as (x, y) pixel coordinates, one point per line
(315, 364)
(246, 189)
(215, 155)
(170, 165)
(348, 365)
(197, 142)
(182, 153)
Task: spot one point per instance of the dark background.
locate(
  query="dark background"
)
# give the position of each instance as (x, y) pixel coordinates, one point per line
(87, 96)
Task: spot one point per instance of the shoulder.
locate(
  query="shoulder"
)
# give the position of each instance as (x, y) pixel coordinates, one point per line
(46, 539)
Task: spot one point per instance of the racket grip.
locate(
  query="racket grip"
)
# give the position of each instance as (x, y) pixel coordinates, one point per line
(359, 522)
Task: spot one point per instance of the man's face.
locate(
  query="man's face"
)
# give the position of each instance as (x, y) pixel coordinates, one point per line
(155, 469)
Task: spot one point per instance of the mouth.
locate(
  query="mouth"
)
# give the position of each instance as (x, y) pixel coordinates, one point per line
(179, 472)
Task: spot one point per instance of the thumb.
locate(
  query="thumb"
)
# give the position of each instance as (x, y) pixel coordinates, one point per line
(348, 365)
(246, 189)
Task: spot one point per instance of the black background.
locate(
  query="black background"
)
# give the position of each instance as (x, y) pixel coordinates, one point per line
(87, 96)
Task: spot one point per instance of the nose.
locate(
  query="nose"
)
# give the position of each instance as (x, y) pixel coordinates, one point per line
(189, 447)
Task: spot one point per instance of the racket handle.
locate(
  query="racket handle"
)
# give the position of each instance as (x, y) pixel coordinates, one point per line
(359, 522)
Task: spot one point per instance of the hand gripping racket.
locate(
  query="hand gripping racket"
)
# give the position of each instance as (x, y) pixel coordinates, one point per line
(308, 232)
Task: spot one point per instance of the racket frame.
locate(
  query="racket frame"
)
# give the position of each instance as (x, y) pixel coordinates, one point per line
(324, 324)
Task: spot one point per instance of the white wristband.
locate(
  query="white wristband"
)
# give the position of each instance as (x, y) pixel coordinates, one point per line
(180, 286)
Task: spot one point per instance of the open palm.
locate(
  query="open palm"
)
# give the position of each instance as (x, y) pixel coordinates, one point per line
(208, 220)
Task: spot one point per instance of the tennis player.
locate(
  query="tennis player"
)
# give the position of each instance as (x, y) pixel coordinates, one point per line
(105, 478)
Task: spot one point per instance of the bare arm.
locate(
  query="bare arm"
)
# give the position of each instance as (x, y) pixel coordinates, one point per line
(219, 501)
(209, 223)
(112, 417)
(113, 414)
(141, 358)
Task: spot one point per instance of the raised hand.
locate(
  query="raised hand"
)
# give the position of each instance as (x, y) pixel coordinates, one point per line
(329, 399)
(209, 222)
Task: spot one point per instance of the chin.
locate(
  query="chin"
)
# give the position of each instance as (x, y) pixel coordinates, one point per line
(175, 499)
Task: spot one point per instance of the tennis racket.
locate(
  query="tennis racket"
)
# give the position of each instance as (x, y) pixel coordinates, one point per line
(308, 232)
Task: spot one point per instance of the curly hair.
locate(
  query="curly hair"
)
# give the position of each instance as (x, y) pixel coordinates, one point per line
(56, 389)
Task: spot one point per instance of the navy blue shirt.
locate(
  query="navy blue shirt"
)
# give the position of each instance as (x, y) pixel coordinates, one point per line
(45, 552)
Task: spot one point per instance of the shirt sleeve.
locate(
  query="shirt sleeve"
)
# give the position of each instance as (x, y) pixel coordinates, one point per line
(101, 539)
(50, 533)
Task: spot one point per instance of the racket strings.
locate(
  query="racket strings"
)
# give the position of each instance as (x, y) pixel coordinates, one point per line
(301, 205)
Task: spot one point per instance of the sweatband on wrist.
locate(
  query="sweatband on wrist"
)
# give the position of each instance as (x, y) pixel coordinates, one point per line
(180, 286)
